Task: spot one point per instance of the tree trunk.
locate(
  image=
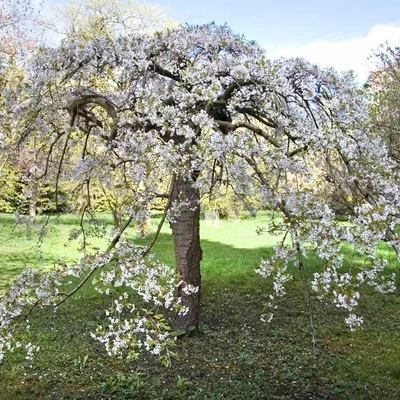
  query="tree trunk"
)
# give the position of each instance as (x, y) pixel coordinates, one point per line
(32, 210)
(116, 216)
(188, 253)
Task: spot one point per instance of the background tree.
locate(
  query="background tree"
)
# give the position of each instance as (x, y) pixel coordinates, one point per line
(16, 19)
(19, 29)
(384, 85)
(86, 20)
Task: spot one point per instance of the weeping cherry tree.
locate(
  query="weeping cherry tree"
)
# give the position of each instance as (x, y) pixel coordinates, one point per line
(180, 113)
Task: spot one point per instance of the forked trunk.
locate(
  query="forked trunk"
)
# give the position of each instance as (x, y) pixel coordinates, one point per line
(188, 253)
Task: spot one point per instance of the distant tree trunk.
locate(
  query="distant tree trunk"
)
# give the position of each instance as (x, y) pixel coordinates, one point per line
(117, 218)
(188, 253)
(32, 210)
(33, 199)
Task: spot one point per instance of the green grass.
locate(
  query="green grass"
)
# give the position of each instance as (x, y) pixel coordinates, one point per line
(235, 356)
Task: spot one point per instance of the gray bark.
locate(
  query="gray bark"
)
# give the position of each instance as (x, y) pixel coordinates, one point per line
(188, 253)
(32, 210)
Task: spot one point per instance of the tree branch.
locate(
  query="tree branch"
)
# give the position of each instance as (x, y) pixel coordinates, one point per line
(161, 71)
(160, 225)
(93, 270)
(232, 87)
(258, 131)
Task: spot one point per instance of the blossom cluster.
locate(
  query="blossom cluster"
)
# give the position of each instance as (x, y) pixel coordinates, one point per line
(137, 319)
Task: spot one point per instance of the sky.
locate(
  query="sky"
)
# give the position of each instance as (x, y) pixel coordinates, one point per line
(338, 33)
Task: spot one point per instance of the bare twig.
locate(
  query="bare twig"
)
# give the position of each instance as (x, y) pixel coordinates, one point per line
(308, 303)
(113, 243)
(160, 225)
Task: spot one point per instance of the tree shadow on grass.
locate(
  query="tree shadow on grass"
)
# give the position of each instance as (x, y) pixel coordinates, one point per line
(13, 264)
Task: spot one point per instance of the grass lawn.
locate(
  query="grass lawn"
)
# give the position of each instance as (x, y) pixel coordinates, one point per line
(236, 356)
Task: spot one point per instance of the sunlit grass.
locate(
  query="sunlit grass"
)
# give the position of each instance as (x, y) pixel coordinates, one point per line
(235, 357)
(24, 246)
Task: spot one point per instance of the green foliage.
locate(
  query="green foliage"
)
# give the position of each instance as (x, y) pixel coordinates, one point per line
(384, 89)
(88, 19)
(10, 189)
(140, 387)
(229, 205)
(13, 197)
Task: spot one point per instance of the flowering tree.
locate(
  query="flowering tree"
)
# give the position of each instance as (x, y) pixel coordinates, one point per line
(19, 21)
(194, 107)
(16, 20)
(15, 36)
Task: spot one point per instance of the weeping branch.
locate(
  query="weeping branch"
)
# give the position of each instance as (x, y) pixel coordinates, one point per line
(164, 216)
(113, 243)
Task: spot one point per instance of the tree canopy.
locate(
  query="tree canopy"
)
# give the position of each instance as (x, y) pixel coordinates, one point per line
(195, 108)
